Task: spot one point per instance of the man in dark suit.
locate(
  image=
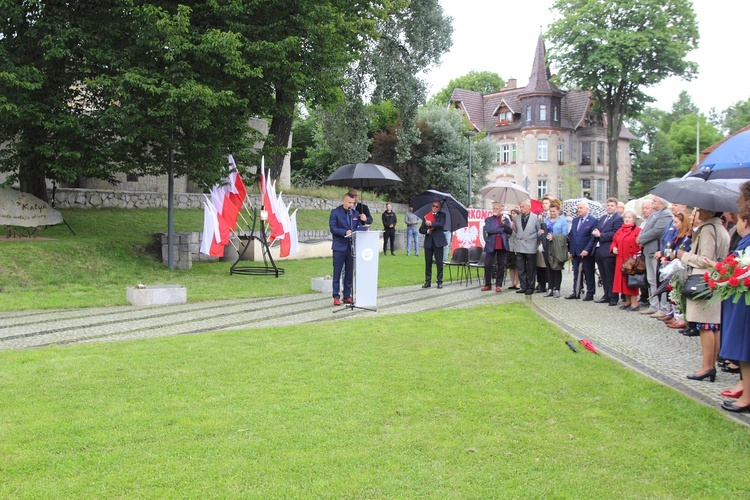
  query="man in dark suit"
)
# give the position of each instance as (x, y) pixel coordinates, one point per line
(605, 229)
(581, 251)
(342, 222)
(496, 230)
(434, 243)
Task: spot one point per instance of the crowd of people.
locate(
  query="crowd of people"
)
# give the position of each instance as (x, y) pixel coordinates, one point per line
(532, 250)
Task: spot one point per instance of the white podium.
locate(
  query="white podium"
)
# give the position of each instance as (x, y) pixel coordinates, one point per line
(366, 254)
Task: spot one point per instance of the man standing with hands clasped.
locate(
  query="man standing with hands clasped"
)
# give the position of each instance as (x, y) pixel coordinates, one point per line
(434, 243)
(581, 251)
(389, 226)
(342, 222)
(496, 229)
(526, 228)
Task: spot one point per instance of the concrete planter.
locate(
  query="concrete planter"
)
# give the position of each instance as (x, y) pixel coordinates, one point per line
(159, 295)
(322, 285)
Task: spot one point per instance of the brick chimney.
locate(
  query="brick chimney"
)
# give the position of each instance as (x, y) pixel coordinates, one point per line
(512, 83)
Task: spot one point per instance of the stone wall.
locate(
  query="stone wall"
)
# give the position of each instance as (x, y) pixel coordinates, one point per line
(100, 198)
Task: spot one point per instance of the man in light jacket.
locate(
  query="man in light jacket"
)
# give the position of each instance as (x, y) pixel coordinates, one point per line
(526, 227)
(650, 239)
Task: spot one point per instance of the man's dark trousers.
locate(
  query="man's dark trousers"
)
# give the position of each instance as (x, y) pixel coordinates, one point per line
(389, 234)
(343, 260)
(526, 266)
(489, 263)
(428, 254)
(588, 273)
(606, 263)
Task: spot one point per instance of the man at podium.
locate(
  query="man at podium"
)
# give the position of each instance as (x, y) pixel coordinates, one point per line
(344, 220)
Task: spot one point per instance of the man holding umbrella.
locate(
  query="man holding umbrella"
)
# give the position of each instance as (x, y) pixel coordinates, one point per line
(361, 208)
(434, 243)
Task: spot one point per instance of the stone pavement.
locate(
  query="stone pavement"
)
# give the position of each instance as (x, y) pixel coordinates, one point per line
(637, 341)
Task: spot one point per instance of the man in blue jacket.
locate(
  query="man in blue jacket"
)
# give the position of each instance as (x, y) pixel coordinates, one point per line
(342, 222)
(496, 230)
(582, 251)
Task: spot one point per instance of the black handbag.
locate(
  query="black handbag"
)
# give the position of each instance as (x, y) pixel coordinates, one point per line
(694, 286)
(636, 280)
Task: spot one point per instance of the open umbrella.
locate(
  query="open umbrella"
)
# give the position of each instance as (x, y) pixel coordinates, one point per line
(570, 207)
(504, 192)
(694, 192)
(730, 160)
(456, 213)
(362, 175)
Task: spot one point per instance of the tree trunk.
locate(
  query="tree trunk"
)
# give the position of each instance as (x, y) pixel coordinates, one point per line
(614, 126)
(32, 181)
(279, 132)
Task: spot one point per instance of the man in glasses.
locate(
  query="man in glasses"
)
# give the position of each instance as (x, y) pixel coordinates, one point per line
(434, 243)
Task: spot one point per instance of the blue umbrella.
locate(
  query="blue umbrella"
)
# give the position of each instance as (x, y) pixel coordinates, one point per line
(730, 160)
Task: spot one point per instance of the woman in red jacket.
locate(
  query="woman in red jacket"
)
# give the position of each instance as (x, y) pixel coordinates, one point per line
(624, 246)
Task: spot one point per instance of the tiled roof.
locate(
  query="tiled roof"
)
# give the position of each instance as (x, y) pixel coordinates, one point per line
(472, 104)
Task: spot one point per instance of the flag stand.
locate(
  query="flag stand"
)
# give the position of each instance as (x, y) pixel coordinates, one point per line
(269, 266)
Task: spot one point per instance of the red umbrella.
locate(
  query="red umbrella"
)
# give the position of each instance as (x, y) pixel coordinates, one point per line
(588, 345)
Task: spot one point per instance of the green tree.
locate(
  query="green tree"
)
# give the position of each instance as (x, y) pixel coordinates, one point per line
(736, 116)
(173, 100)
(484, 82)
(652, 167)
(439, 160)
(571, 181)
(614, 49)
(682, 136)
(49, 121)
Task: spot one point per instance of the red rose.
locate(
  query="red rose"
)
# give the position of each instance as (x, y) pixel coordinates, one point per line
(720, 268)
(731, 260)
(738, 271)
(734, 282)
(706, 276)
(712, 284)
(746, 282)
(669, 288)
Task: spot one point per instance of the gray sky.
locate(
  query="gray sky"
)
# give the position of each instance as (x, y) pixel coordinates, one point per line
(490, 36)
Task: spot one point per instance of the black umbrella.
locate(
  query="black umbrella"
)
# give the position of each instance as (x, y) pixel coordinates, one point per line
(695, 192)
(362, 175)
(456, 213)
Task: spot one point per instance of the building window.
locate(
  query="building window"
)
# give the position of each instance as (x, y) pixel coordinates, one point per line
(586, 153)
(132, 178)
(555, 116)
(586, 188)
(600, 153)
(528, 113)
(541, 150)
(498, 153)
(542, 112)
(508, 153)
(601, 190)
(559, 190)
(560, 154)
(541, 189)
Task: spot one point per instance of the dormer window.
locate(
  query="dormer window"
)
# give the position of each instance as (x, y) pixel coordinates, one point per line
(504, 117)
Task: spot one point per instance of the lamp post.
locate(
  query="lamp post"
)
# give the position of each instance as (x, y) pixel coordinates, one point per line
(469, 134)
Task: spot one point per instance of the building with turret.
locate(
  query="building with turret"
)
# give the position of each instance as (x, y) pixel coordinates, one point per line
(540, 130)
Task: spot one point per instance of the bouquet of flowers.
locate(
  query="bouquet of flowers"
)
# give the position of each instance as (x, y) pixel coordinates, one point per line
(731, 278)
(676, 273)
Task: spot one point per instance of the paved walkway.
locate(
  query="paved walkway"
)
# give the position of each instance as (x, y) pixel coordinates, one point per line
(635, 340)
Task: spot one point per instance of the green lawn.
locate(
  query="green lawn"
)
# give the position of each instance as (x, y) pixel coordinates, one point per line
(432, 405)
(113, 249)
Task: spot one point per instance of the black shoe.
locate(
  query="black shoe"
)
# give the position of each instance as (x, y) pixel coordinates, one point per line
(689, 332)
(541, 290)
(571, 296)
(393, 253)
(624, 306)
(512, 288)
(440, 285)
(730, 406)
(426, 285)
(728, 369)
(588, 298)
(708, 374)
(612, 304)
(530, 292)
(603, 300)
(520, 290)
